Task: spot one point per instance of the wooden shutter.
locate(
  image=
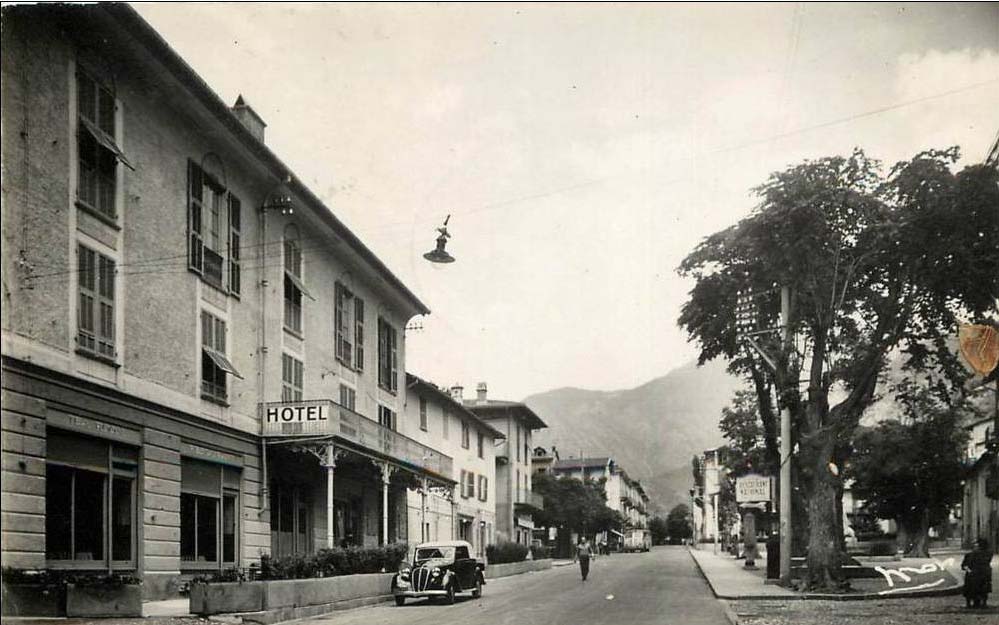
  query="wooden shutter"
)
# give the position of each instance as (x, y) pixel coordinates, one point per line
(195, 240)
(358, 334)
(235, 217)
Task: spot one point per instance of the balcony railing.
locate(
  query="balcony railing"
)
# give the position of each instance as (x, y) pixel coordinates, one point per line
(325, 417)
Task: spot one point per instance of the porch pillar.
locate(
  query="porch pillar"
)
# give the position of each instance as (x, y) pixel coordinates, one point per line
(387, 471)
(329, 462)
(423, 510)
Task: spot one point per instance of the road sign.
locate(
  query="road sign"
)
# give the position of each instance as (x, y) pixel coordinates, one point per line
(752, 488)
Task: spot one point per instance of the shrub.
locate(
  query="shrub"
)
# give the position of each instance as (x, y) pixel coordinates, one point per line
(13, 575)
(504, 552)
(882, 548)
(330, 562)
(540, 552)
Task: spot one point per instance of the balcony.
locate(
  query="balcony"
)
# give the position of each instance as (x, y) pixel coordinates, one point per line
(503, 451)
(324, 418)
(526, 499)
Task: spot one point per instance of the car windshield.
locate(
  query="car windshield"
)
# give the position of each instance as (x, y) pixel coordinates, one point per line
(434, 553)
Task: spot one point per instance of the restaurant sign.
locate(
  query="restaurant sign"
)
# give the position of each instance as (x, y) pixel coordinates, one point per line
(293, 419)
(753, 488)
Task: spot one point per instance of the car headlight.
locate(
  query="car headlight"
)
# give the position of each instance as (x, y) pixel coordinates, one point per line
(436, 572)
(404, 574)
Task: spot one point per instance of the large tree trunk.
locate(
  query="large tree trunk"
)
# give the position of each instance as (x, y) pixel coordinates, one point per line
(824, 554)
(914, 535)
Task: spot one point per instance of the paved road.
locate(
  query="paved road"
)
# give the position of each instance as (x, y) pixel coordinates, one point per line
(661, 587)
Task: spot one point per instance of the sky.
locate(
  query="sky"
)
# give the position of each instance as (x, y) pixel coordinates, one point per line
(582, 150)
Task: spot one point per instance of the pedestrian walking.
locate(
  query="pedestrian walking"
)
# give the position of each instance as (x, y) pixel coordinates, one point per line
(977, 567)
(583, 553)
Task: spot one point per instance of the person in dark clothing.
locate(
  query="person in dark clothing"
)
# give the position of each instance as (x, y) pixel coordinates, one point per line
(977, 566)
(583, 553)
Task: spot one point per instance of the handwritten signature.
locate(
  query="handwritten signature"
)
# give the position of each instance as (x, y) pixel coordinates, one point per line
(905, 574)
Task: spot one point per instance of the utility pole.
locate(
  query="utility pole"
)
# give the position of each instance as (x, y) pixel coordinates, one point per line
(785, 446)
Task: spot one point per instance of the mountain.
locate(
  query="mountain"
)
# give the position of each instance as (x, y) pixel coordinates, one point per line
(651, 431)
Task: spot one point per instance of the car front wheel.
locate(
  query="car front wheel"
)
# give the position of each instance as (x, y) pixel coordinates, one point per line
(400, 600)
(449, 597)
(478, 588)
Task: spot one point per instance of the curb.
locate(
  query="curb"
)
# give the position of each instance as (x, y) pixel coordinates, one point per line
(816, 596)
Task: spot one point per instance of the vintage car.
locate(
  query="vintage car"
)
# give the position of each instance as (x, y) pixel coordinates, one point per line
(439, 569)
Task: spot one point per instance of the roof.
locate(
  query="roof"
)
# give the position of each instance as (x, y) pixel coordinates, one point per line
(488, 410)
(576, 463)
(416, 382)
(147, 36)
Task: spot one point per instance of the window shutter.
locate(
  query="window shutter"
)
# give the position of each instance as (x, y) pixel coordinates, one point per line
(358, 334)
(195, 246)
(394, 355)
(235, 216)
(463, 473)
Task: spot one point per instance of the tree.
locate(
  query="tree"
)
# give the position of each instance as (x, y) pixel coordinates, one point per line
(677, 524)
(875, 263)
(577, 505)
(743, 429)
(660, 531)
(910, 469)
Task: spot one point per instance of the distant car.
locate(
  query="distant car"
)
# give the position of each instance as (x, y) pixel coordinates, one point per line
(637, 540)
(440, 570)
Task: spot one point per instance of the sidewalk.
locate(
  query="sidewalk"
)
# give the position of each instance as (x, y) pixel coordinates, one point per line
(912, 577)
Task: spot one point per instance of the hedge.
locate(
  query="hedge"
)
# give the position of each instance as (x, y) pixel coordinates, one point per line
(338, 561)
(504, 552)
(540, 552)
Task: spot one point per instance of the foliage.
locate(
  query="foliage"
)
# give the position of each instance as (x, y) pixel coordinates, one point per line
(910, 469)
(541, 552)
(574, 504)
(743, 429)
(678, 525)
(504, 552)
(874, 263)
(659, 530)
(13, 575)
(882, 548)
(330, 562)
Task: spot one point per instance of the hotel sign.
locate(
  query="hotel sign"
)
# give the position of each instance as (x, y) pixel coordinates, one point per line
(293, 419)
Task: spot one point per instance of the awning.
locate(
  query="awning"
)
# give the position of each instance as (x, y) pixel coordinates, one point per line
(298, 284)
(222, 362)
(102, 137)
(617, 532)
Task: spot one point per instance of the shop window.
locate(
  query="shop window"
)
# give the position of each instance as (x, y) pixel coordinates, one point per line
(89, 500)
(209, 519)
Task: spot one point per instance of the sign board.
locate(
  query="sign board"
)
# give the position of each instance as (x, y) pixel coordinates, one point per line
(753, 487)
(291, 419)
(711, 484)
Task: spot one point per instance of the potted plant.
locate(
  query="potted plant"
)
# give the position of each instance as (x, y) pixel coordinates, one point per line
(32, 593)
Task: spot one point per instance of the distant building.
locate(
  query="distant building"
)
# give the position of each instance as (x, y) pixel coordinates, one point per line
(980, 507)
(542, 460)
(515, 501)
(624, 494)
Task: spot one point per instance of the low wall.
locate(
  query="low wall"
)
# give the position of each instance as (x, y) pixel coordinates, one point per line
(516, 568)
(233, 597)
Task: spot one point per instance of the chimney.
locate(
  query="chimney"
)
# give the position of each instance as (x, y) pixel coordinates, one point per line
(249, 118)
(480, 393)
(456, 392)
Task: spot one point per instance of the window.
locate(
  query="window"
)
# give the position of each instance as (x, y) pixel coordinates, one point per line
(445, 422)
(527, 446)
(97, 152)
(96, 317)
(467, 484)
(481, 440)
(209, 505)
(518, 486)
(294, 288)
(349, 327)
(214, 362)
(423, 414)
(291, 378)
(348, 397)
(387, 417)
(483, 488)
(388, 358)
(213, 228)
(90, 503)
(464, 435)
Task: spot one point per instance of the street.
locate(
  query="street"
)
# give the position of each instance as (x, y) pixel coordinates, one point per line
(661, 587)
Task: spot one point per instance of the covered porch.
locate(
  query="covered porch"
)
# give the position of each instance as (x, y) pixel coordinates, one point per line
(336, 478)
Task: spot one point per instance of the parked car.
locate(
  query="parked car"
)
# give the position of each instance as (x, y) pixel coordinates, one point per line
(440, 570)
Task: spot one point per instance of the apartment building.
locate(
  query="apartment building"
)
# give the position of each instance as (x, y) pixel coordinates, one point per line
(467, 512)
(201, 363)
(515, 501)
(624, 494)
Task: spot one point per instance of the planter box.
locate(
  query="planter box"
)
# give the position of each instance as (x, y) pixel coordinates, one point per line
(95, 601)
(236, 597)
(33, 600)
